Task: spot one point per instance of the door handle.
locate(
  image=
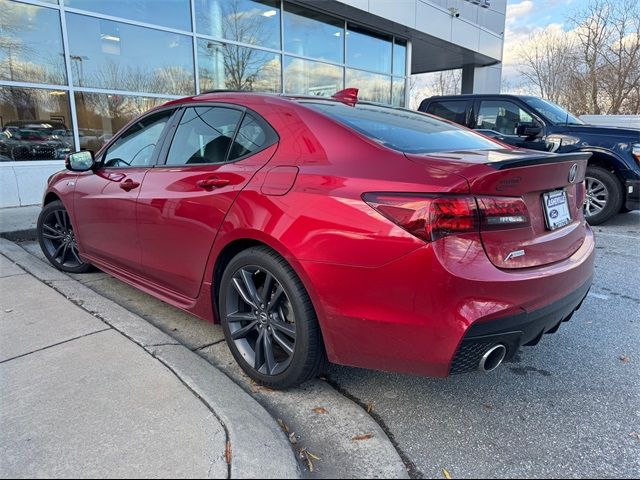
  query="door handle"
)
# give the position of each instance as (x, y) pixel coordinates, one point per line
(213, 182)
(129, 185)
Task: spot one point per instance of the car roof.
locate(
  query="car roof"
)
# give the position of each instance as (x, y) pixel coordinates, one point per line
(470, 96)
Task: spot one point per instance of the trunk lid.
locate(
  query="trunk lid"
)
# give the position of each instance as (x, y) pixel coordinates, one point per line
(526, 175)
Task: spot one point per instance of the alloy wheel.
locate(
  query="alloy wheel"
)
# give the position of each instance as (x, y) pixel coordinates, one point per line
(59, 239)
(261, 320)
(596, 198)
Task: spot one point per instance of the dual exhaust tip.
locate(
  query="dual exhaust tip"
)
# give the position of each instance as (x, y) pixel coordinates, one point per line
(492, 358)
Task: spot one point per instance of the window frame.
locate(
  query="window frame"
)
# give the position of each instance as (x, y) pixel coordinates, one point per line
(272, 136)
(102, 153)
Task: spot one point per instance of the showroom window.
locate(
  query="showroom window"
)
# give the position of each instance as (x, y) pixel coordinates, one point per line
(244, 21)
(368, 51)
(312, 34)
(169, 13)
(102, 115)
(113, 55)
(125, 57)
(373, 86)
(232, 67)
(304, 77)
(35, 124)
(31, 44)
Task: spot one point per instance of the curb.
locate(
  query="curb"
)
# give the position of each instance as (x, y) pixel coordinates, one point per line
(254, 436)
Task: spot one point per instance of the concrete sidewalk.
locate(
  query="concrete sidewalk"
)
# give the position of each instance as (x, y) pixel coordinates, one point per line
(19, 222)
(82, 396)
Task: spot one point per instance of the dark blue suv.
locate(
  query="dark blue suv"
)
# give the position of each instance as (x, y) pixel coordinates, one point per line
(613, 175)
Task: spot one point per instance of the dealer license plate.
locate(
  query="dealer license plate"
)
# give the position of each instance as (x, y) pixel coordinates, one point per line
(556, 209)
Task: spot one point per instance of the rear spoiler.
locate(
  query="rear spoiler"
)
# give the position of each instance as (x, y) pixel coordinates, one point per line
(529, 160)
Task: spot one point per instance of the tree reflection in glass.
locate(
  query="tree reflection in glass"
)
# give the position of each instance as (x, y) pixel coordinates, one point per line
(30, 44)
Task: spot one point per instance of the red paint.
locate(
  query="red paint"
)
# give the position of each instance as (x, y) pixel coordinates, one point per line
(407, 300)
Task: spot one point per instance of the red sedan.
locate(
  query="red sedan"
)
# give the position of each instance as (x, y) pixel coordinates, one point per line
(321, 229)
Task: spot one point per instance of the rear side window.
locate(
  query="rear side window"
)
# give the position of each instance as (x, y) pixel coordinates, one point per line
(251, 137)
(455, 111)
(403, 130)
(203, 136)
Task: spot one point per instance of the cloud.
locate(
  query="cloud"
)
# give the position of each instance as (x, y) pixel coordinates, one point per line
(517, 10)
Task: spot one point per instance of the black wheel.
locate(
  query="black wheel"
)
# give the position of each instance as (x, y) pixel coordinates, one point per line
(603, 195)
(57, 240)
(268, 320)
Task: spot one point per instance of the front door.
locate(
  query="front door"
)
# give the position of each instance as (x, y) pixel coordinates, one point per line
(214, 153)
(501, 119)
(105, 201)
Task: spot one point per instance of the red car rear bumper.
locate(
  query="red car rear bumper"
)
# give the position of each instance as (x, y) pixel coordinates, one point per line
(414, 314)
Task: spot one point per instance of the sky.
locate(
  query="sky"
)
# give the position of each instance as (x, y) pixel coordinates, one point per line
(526, 16)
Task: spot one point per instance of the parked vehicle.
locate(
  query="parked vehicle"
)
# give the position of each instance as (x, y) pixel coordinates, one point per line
(613, 175)
(316, 229)
(34, 140)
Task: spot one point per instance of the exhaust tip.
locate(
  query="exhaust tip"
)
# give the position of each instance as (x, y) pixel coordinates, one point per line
(492, 358)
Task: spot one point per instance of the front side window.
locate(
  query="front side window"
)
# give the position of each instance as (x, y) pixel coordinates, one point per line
(203, 136)
(453, 111)
(501, 116)
(135, 147)
(403, 130)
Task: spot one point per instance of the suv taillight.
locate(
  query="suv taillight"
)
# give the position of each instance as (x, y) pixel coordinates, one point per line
(431, 217)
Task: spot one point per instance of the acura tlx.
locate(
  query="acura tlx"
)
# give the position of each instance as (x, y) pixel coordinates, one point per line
(330, 229)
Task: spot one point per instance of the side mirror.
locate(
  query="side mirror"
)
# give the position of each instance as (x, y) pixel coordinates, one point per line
(80, 161)
(533, 129)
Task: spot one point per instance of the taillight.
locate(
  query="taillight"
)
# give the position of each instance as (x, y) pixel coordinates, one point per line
(498, 213)
(428, 218)
(433, 217)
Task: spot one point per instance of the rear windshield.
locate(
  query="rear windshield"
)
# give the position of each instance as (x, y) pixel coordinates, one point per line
(403, 130)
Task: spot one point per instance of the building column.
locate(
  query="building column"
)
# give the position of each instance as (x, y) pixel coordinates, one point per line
(468, 74)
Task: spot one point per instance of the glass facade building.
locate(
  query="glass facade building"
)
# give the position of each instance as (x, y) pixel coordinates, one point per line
(73, 72)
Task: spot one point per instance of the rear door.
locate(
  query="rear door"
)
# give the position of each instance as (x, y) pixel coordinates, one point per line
(457, 111)
(214, 152)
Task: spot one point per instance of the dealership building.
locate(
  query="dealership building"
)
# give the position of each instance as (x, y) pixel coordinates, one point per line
(73, 72)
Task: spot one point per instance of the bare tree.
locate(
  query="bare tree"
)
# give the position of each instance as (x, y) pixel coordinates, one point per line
(447, 82)
(547, 62)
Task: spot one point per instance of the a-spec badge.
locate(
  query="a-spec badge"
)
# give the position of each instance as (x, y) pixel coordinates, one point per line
(515, 254)
(573, 173)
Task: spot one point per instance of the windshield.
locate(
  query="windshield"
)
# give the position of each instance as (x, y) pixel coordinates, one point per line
(553, 112)
(403, 130)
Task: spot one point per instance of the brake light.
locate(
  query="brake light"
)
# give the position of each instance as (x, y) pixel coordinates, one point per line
(433, 217)
(426, 217)
(498, 213)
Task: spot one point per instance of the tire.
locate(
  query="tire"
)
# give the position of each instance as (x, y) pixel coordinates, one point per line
(268, 320)
(603, 195)
(57, 240)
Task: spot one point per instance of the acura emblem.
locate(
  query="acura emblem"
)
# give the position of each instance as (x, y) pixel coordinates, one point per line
(573, 173)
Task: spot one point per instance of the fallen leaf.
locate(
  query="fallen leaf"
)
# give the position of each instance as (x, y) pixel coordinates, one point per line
(635, 435)
(306, 456)
(366, 436)
(487, 406)
(227, 453)
(320, 410)
(369, 407)
(446, 474)
(292, 438)
(322, 377)
(312, 455)
(283, 425)
(624, 358)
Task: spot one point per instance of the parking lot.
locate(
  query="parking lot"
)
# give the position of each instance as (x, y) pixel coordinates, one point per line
(569, 407)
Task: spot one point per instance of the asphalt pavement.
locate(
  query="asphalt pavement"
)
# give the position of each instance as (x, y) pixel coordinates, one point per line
(566, 408)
